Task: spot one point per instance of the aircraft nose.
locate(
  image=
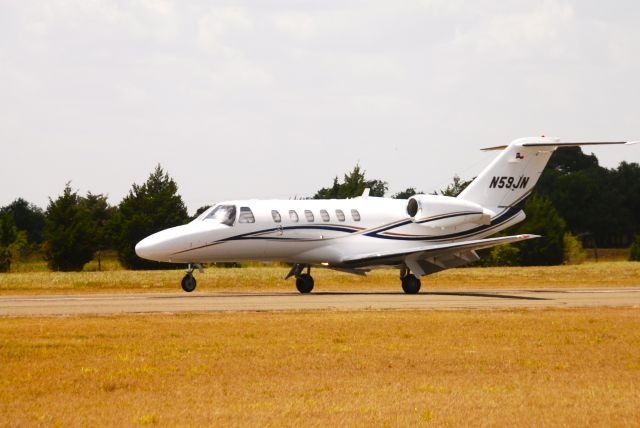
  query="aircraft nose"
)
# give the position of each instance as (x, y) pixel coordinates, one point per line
(156, 247)
(145, 249)
(161, 245)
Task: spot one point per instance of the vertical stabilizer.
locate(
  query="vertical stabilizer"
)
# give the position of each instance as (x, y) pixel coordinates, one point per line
(510, 178)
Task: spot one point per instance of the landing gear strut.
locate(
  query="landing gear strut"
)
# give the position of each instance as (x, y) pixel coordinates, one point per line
(189, 282)
(304, 281)
(410, 283)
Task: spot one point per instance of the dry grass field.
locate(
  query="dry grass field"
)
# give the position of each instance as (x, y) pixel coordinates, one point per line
(526, 368)
(602, 274)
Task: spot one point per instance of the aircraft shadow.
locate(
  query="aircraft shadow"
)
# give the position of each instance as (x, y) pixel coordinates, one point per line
(351, 293)
(492, 295)
(427, 293)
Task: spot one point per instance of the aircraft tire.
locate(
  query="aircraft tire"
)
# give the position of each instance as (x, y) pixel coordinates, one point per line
(188, 283)
(304, 283)
(411, 284)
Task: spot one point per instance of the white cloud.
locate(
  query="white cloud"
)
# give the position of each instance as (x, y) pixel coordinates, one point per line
(297, 24)
(101, 18)
(217, 27)
(539, 30)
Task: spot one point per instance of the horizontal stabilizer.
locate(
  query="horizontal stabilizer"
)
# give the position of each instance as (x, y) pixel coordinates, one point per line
(556, 143)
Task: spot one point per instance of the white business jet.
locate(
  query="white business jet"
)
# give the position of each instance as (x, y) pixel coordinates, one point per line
(420, 236)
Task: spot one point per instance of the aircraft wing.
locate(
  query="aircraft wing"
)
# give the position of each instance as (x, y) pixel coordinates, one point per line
(427, 259)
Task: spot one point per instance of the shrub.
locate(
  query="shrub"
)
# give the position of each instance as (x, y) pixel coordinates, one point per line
(8, 234)
(5, 259)
(574, 254)
(634, 255)
(503, 255)
(542, 219)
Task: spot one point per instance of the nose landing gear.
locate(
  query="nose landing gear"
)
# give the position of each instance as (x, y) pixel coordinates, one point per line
(189, 283)
(304, 281)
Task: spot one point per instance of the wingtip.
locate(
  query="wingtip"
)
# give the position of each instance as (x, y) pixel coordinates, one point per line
(529, 236)
(629, 143)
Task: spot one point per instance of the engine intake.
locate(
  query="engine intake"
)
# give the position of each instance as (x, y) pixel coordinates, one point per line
(412, 207)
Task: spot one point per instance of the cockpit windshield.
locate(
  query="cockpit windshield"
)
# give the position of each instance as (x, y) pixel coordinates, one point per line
(224, 214)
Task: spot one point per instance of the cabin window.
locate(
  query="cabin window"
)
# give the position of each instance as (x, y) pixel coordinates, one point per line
(246, 216)
(309, 216)
(325, 215)
(356, 215)
(293, 216)
(340, 215)
(223, 214)
(276, 216)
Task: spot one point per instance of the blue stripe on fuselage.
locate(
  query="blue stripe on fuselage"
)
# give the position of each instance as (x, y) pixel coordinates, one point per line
(500, 219)
(372, 233)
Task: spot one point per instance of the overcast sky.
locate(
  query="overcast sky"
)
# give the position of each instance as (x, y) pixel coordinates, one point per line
(271, 99)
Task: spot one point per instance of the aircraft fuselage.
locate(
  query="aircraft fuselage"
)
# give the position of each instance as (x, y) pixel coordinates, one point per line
(308, 231)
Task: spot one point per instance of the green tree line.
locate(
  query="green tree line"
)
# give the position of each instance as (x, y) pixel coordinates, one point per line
(75, 229)
(575, 201)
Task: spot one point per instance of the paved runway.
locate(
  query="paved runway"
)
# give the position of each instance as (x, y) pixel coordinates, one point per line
(286, 301)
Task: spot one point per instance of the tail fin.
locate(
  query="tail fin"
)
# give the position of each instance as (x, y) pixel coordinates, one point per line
(510, 178)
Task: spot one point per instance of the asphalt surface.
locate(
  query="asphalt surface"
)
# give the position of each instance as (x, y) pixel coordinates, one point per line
(109, 304)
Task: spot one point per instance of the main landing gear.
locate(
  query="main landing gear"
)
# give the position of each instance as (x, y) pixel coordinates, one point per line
(304, 281)
(189, 282)
(410, 283)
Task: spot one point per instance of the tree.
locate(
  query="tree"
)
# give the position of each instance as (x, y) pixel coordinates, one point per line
(571, 159)
(542, 219)
(147, 209)
(407, 193)
(100, 214)
(199, 211)
(601, 202)
(8, 230)
(5, 259)
(455, 188)
(627, 179)
(27, 217)
(353, 185)
(8, 234)
(69, 232)
(634, 254)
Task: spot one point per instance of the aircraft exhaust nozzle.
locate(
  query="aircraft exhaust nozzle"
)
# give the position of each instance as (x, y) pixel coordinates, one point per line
(446, 211)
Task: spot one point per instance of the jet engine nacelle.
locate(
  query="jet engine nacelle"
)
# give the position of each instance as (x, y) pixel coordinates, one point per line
(446, 211)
